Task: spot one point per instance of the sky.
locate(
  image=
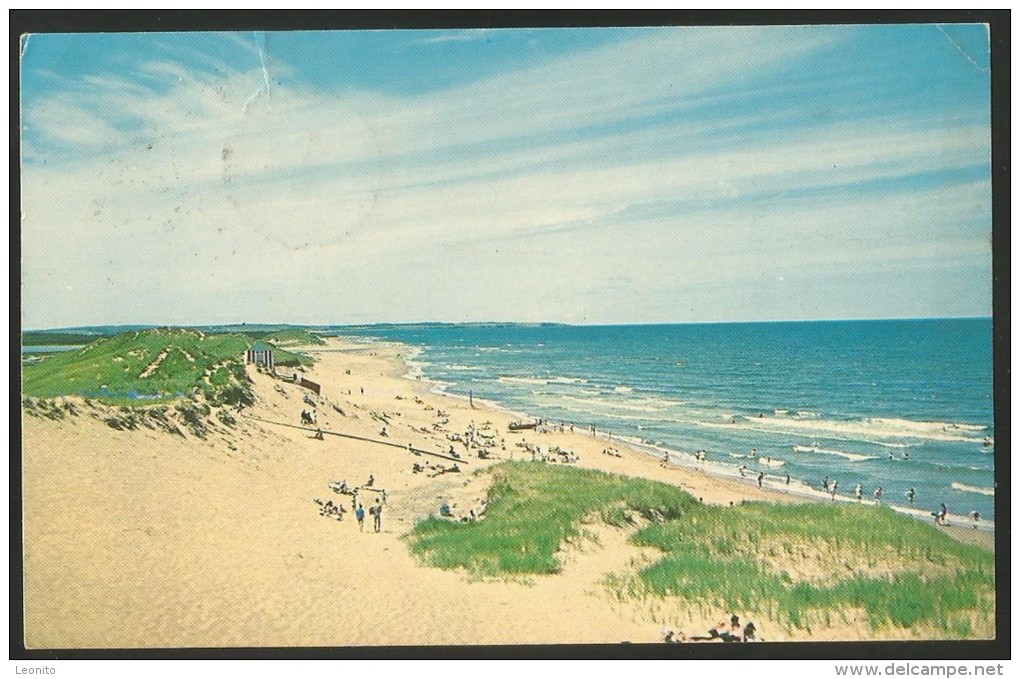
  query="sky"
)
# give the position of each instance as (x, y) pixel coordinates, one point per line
(590, 176)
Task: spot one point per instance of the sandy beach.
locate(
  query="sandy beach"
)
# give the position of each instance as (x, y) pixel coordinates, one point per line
(148, 539)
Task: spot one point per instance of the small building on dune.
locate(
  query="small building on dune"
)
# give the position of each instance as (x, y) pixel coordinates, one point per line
(262, 354)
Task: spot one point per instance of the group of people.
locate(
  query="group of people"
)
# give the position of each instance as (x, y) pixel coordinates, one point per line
(942, 516)
(432, 470)
(479, 438)
(375, 511)
(330, 509)
(342, 488)
(732, 633)
(446, 511)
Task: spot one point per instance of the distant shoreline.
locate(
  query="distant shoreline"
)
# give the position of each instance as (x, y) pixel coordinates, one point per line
(101, 329)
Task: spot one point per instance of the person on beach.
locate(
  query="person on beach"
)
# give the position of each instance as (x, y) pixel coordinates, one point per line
(718, 633)
(975, 516)
(825, 484)
(858, 492)
(943, 518)
(359, 514)
(672, 637)
(761, 477)
(743, 468)
(832, 489)
(911, 494)
(665, 460)
(378, 516)
(370, 482)
(787, 480)
(318, 435)
(878, 495)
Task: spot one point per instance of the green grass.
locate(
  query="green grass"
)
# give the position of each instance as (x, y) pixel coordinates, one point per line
(292, 359)
(292, 336)
(898, 571)
(111, 369)
(533, 510)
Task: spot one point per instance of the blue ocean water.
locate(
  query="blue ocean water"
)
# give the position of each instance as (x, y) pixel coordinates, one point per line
(899, 404)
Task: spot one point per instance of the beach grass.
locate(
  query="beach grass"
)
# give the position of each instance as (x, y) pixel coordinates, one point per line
(150, 366)
(533, 510)
(797, 564)
(291, 336)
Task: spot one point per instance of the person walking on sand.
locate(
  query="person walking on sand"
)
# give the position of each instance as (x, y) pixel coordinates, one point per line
(378, 516)
(858, 492)
(761, 477)
(832, 489)
(359, 514)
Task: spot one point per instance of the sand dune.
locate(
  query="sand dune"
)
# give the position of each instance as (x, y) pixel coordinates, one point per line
(147, 539)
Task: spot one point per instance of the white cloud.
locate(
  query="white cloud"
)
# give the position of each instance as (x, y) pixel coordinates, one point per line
(472, 35)
(476, 198)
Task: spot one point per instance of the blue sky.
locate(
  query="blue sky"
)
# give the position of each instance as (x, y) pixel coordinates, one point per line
(671, 174)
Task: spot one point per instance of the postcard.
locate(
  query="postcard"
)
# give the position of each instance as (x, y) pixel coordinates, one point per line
(504, 337)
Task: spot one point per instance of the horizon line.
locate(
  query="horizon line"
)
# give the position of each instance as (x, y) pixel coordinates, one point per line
(369, 324)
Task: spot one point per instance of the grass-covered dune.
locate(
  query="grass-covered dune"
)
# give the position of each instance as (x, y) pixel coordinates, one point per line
(797, 565)
(292, 337)
(150, 366)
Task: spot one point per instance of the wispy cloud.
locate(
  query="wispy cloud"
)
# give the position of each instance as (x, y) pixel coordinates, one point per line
(711, 148)
(471, 35)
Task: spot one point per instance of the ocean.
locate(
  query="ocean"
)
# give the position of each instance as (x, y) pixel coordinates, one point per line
(896, 404)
